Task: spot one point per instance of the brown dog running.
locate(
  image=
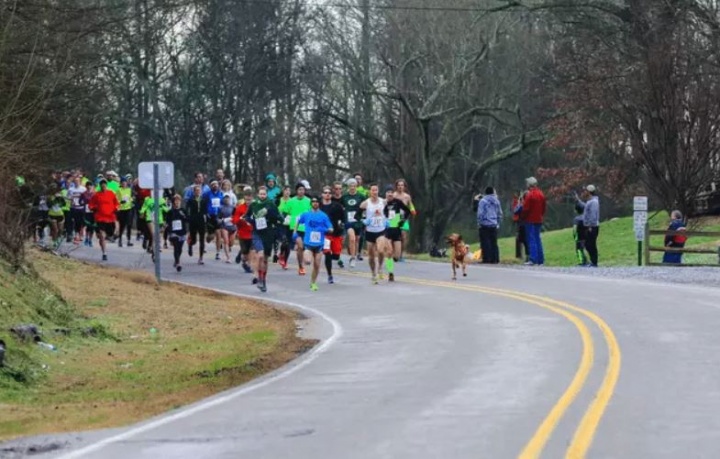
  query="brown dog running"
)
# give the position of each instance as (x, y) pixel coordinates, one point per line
(458, 254)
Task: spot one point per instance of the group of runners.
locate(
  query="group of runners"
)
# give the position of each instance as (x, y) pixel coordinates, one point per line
(268, 222)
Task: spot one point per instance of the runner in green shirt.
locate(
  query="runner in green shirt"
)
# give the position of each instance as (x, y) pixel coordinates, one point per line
(147, 213)
(264, 216)
(127, 202)
(294, 207)
(354, 227)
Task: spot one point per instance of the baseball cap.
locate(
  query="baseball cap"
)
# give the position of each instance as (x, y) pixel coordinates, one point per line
(305, 183)
(591, 188)
(247, 190)
(531, 181)
(351, 181)
(112, 173)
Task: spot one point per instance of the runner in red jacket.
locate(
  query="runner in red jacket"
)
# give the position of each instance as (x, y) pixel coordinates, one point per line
(104, 205)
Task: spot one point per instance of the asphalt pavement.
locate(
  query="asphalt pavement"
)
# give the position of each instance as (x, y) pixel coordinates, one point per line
(504, 363)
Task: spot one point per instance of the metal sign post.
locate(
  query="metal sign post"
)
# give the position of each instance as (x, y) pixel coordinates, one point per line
(640, 207)
(156, 219)
(156, 176)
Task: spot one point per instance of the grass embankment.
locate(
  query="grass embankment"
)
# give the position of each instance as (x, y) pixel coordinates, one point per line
(122, 372)
(616, 244)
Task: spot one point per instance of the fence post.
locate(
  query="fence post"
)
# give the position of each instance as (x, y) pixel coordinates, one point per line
(647, 244)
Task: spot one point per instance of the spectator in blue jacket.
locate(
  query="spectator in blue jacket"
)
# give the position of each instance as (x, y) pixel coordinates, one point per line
(591, 222)
(676, 241)
(488, 217)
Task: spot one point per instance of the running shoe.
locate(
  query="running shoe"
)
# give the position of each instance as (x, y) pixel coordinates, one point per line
(301, 271)
(247, 268)
(275, 258)
(262, 286)
(238, 258)
(331, 280)
(352, 263)
(374, 280)
(381, 276)
(178, 268)
(217, 256)
(255, 281)
(129, 243)
(104, 257)
(200, 262)
(391, 277)
(119, 242)
(165, 246)
(190, 251)
(359, 257)
(314, 287)
(341, 264)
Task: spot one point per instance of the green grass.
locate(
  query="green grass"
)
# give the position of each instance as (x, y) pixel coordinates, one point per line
(109, 369)
(616, 244)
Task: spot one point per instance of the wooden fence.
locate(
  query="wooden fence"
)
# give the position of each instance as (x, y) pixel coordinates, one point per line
(650, 248)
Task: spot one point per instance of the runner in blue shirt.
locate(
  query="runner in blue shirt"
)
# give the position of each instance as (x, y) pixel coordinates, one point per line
(317, 224)
(212, 203)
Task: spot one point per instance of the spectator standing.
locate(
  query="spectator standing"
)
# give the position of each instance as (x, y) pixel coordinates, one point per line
(520, 236)
(591, 222)
(579, 232)
(676, 241)
(534, 206)
(488, 217)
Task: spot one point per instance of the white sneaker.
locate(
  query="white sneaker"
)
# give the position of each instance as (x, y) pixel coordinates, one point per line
(352, 263)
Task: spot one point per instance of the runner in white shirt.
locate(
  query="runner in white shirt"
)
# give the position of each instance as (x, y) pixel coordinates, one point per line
(375, 224)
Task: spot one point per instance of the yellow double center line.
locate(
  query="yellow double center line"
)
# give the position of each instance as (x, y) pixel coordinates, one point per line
(585, 431)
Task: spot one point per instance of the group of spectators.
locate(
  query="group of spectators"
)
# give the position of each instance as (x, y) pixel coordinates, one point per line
(528, 213)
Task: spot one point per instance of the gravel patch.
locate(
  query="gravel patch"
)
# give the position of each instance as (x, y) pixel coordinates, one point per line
(706, 276)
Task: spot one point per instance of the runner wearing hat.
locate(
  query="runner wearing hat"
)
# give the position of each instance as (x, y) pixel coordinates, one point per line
(125, 195)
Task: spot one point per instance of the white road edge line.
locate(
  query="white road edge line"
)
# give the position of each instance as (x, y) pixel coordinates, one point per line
(201, 406)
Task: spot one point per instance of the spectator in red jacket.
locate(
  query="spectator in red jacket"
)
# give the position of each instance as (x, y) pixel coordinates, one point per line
(533, 213)
(104, 205)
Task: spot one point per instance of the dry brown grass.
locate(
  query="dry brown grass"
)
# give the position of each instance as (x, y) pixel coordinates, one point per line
(206, 342)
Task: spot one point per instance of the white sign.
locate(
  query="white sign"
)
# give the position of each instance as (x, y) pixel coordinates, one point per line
(639, 222)
(166, 174)
(640, 203)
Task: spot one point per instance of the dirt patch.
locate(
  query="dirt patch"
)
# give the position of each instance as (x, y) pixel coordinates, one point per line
(152, 348)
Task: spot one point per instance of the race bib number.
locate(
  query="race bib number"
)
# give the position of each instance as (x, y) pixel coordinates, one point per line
(177, 225)
(261, 223)
(376, 222)
(351, 217)
(326, 244)
(391, 214)
(215, 202)
(76, 202)
(315, 237)
(286, 222)
(87, 209)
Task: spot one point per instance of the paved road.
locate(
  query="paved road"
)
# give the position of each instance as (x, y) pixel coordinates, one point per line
(502, 364)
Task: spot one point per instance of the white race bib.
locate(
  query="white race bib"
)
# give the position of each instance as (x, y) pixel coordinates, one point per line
(177, 225)
(326, 245)
(87, 209)
(391, 214)
(377, 222)
(351, 217)
(76, 202)
(315, 237)
(261, 223)
(215, 202)
(286, 222)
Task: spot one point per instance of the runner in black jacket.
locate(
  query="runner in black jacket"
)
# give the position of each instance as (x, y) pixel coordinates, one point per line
(196, 217)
